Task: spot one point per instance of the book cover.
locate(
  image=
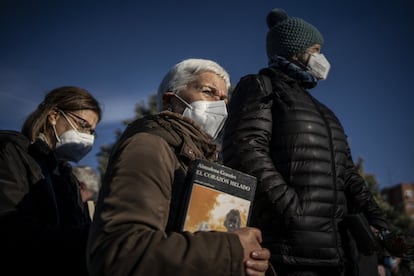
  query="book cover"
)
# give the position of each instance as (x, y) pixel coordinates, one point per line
(219, 198)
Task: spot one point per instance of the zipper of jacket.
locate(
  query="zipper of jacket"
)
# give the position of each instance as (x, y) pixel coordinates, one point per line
(331, 147)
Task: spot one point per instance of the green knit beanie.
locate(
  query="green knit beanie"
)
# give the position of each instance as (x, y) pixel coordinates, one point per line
(289, 35)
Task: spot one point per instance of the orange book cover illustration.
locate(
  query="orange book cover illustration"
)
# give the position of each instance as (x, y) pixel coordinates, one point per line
(219, 198)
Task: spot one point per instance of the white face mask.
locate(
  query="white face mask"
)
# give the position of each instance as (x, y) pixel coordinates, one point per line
(210, 115)
(318, 66)
(73, 145)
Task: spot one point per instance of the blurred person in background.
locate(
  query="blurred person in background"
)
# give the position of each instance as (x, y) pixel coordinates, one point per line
(90, 183)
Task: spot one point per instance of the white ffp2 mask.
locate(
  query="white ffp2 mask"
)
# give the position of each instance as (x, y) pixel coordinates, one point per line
(318, 66)
(210, 115)
(73, 145)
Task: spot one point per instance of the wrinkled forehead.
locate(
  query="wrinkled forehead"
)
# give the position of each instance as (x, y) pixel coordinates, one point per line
(210, 80)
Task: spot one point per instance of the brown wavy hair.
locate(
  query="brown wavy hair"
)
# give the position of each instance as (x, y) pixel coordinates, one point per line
(66, 98)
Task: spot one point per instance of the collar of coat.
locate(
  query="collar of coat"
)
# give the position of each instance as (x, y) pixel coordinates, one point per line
(180, 132)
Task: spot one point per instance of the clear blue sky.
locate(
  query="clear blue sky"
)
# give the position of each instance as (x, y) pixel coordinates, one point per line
(120, 50)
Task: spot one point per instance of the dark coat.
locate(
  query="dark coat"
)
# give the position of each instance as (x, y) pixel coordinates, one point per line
(132, 231)
(43, 223)
(298, 150)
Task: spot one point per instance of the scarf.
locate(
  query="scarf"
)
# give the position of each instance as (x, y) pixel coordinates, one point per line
(294, 71)
(191, 133)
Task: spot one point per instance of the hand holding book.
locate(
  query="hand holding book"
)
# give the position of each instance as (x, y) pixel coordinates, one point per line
(255, 257)
(220, 198)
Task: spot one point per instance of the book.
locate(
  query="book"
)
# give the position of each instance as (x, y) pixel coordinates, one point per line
(219, 198)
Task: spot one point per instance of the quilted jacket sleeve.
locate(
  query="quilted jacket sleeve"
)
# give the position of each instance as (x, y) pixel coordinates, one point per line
(246, 144)
(360, 196)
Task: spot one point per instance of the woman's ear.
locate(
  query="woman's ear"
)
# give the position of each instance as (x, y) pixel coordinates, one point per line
(53, 117)
(166, 100)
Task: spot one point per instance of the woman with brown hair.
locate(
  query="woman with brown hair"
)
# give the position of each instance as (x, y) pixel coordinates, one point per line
(43, 222)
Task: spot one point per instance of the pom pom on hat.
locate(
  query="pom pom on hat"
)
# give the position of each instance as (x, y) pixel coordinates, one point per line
(288, 36)
(275, 17)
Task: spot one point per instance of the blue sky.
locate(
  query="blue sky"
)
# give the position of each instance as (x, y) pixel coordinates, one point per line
(120, 50)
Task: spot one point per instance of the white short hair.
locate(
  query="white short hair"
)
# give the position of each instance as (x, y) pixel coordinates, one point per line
(88, 176)
(185, 72)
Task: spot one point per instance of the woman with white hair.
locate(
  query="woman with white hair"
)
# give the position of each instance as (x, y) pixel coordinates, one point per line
(135, 229)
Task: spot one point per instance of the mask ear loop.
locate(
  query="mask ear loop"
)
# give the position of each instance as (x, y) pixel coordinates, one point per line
(300, 62)
(182, 100)
(55, 132)
(67, 119)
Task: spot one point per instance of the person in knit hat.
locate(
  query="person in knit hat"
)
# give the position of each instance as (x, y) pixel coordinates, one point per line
(298, 150)
(288, 36)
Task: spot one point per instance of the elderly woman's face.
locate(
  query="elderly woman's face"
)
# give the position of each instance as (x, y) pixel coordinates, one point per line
(208, 86)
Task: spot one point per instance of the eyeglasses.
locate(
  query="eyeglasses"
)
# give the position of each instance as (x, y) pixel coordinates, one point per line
(83, 125)
(209, 91)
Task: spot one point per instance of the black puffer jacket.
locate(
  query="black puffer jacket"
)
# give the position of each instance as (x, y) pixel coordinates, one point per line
(297, 149)
(43, 223)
